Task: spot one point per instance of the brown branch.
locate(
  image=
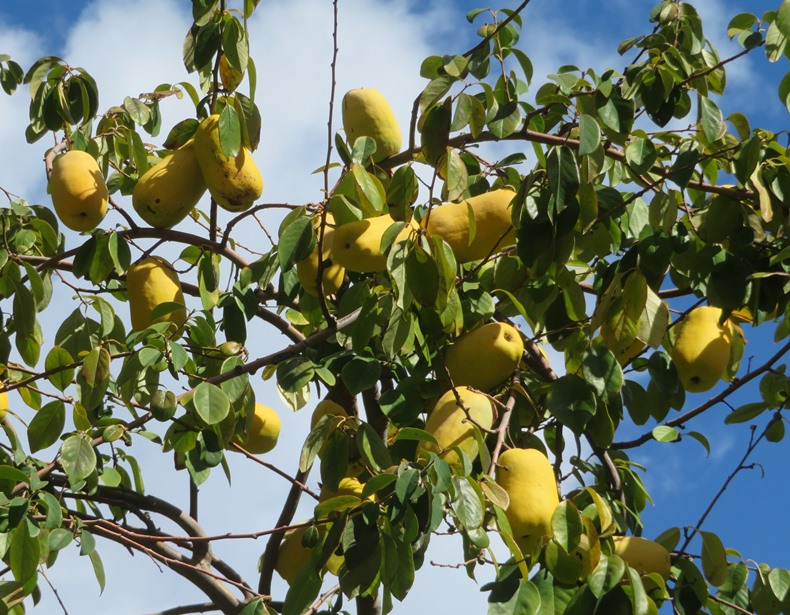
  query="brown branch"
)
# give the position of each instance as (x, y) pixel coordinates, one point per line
(533, 136)
(737, 384)
(204, 607)
(503, 427)
(269, 559)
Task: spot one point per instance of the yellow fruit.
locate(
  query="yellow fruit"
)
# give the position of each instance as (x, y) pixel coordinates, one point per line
(168, 191)
(307, 268)
(366, 113)
(230, 77)
(357, 245)
(326, 407)
(150, 282)
(233, 181)
(450, 425)
(262, 430)
(493, 225)
(528, 478)
(3, 404)
(484, 357)
(702, 348)
(78, 191)
(643, 555)
(293, 556)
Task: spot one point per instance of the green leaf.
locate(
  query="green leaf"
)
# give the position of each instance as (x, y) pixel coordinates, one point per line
(77, 458)
(60, 363)
(93, 378)
(229, 128)
(714, 558)
(211, 403)
(293, 374)
(782, 20)
(784, 91)
(46, 426)
(98, 569)
(607, 575)
(563, 174)
(372, 449)
(24, 553)
(746, 412)
(602, 371)
(641, 154)
(524, 599)
(566, 525)
(664, 433)
(589, 134)
(467, 503)
(297, 241)
(572, 402)
(712, 120)
(360, 374)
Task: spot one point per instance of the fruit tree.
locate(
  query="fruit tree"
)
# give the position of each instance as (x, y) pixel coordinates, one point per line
(490, 307)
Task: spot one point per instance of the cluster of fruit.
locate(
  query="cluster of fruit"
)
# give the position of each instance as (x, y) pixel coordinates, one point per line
(166, 193)
(478, 362)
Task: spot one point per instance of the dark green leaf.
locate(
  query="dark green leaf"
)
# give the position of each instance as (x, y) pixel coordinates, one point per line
(46, 426)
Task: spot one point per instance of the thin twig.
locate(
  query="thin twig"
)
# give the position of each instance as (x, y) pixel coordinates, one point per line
(749, 450)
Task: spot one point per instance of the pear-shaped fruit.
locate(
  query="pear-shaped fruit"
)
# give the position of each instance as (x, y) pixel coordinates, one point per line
(78, 190)
(702, 348)
(366, 113)
(357, 245)
(643, 555)
(170, 189)
(450, 424)
(262, 430)
(528, 478)
(307, 268)
(233, 181)
(293, 556)
(150, 282)
(493, 225)
(484, 357)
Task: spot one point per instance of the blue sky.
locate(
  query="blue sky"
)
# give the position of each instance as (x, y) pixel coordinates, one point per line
(132, 46)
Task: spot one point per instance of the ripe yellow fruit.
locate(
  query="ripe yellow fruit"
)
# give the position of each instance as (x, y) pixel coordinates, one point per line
(307, 268)
(357, 245)
(643, 555)
(262, 430)
(293, 556)
(484, 357)
(230, 77)
(170, 189)
(450, 425)
(327, 407)
(233, 181)
(702, 348)
(366, 113)
(493, 225)
(528, 478)
(149, 282)
(78, 191)
(3, 403)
